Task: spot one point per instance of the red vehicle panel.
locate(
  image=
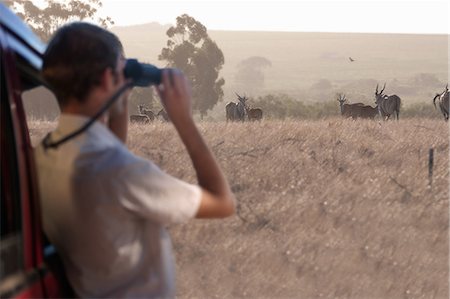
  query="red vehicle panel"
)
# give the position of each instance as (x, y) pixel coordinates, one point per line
(29, 266)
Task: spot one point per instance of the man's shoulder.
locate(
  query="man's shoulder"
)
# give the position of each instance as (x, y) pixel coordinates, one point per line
(94, 157)
(115, 160)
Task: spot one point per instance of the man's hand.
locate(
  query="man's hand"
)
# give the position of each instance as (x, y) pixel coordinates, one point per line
(118, 112)
(175, 94)
(118, 116)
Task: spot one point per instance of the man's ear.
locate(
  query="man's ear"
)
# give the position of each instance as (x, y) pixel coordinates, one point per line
(107, 79)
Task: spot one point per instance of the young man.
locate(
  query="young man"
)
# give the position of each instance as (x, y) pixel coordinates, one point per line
(103, 207)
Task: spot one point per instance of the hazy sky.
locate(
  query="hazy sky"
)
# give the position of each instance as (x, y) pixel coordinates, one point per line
(396, 16)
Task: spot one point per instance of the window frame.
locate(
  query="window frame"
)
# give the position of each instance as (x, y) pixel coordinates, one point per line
(23, 280)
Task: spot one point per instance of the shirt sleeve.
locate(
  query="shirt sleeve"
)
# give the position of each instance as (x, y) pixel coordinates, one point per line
(155, 195)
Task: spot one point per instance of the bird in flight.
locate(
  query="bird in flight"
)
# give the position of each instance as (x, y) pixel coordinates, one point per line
(351, 59)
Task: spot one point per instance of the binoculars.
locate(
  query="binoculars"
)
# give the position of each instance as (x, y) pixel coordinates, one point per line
(142, 74)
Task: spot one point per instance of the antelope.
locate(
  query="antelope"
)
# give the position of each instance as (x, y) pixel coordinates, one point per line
(349, 110)
(139, 118)
(231, 111)
(241, 108)
(143, 111)
(367, 111)
(387, 105)
(443, 102)
(254, 113)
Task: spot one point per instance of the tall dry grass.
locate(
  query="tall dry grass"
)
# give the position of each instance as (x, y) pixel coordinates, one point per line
(326, 209)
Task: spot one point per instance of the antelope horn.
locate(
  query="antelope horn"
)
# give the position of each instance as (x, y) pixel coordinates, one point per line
(376, 90)
(383, 87)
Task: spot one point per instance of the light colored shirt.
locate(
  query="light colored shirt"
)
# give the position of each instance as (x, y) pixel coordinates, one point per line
(105, 210)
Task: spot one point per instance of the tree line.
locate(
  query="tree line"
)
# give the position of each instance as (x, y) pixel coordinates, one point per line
(188, 48)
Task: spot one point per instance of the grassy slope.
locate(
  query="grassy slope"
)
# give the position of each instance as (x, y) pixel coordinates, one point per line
(301, 59)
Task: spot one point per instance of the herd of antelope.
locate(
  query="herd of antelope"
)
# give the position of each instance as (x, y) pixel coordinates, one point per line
(241, 111)
(386, 105)
(146, 115)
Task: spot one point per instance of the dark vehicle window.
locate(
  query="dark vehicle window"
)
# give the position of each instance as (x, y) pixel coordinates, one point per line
(11, 232)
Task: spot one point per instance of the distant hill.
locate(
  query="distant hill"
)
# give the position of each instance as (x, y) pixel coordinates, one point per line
(415, 66)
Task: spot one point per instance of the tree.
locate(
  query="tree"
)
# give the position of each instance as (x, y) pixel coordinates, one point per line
(190, 49)
(250, 76)
(44, 21)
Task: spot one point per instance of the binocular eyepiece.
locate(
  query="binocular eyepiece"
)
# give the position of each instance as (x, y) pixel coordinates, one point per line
(142, 74)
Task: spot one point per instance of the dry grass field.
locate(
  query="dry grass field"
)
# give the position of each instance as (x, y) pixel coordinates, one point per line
(329, 208)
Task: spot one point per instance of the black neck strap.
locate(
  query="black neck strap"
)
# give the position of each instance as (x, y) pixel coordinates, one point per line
(49, 144)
